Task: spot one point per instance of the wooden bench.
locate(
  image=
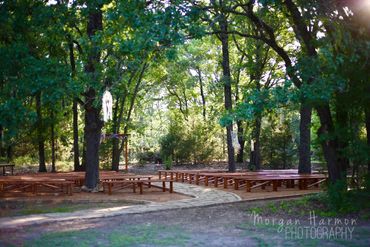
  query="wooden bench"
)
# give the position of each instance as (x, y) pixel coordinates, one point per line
(115, 185)
(182, 175)
(277, 180)
(32, 185)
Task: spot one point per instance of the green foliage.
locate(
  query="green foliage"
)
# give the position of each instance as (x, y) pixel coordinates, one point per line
(168, 162)
(25, 160)
(338, 197)
(278, 141)
(148, 156)
(188, 144)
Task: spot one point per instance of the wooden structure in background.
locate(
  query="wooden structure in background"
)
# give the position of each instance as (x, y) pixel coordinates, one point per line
(5, 166)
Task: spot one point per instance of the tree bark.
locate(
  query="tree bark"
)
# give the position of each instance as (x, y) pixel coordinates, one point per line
(9, 153)
(329, 145)
(224, 37)
(342, 127)
(2, 149)
(240, 155)
(53, 158)
(367, 125)
(255, 159)
(304, 165)
(76, 151)
(40, 134)
(93, 124)
(115, 143)
(202, 94)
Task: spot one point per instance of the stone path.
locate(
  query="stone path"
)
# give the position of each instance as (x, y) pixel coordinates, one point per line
(201, 197)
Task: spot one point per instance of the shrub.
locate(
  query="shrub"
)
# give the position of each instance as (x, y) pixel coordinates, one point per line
(168, 163)
(188, 145)
(148, 157)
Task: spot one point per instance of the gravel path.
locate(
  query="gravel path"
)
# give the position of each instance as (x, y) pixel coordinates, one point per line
(201, 197)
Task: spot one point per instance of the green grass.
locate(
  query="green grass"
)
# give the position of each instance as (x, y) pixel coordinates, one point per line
(152, 235)
(356, 201)
(29, 211)
(70, 238)
(149, 234)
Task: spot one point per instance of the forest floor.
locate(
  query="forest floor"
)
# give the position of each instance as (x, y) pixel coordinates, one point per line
(264, 223)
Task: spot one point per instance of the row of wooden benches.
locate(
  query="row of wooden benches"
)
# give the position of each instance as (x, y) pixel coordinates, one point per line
(249, 180)
(65, 183)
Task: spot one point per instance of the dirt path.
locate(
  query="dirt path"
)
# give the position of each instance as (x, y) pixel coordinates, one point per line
(223, 225)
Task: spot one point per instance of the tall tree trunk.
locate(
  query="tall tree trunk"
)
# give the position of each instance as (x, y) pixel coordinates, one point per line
(239, 123)
(202, 94)
(115, 143)
(2, 149)
(342, 126)
(329, 145)
(240, 155)
(83, 161)
(9, 153)
(76, 151)
(52, 130)
(93, 124)
(116, 149)
(132, 103)
(367, 124)
(327, 129)
(40, 134)
(304, 165)
(255, 159)
(224, 37)
(117, 120)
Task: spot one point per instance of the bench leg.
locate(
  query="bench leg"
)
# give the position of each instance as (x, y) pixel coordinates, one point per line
(248, 186)
(134, 187)
(141, 188)
(275, 185)
(164, 186)
(70, 189)
(109, 189)
(34, 188)
(304, 185)
(171, 187)
(236, 184)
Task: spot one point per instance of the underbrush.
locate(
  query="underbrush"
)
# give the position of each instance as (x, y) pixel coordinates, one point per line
(326, 204)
